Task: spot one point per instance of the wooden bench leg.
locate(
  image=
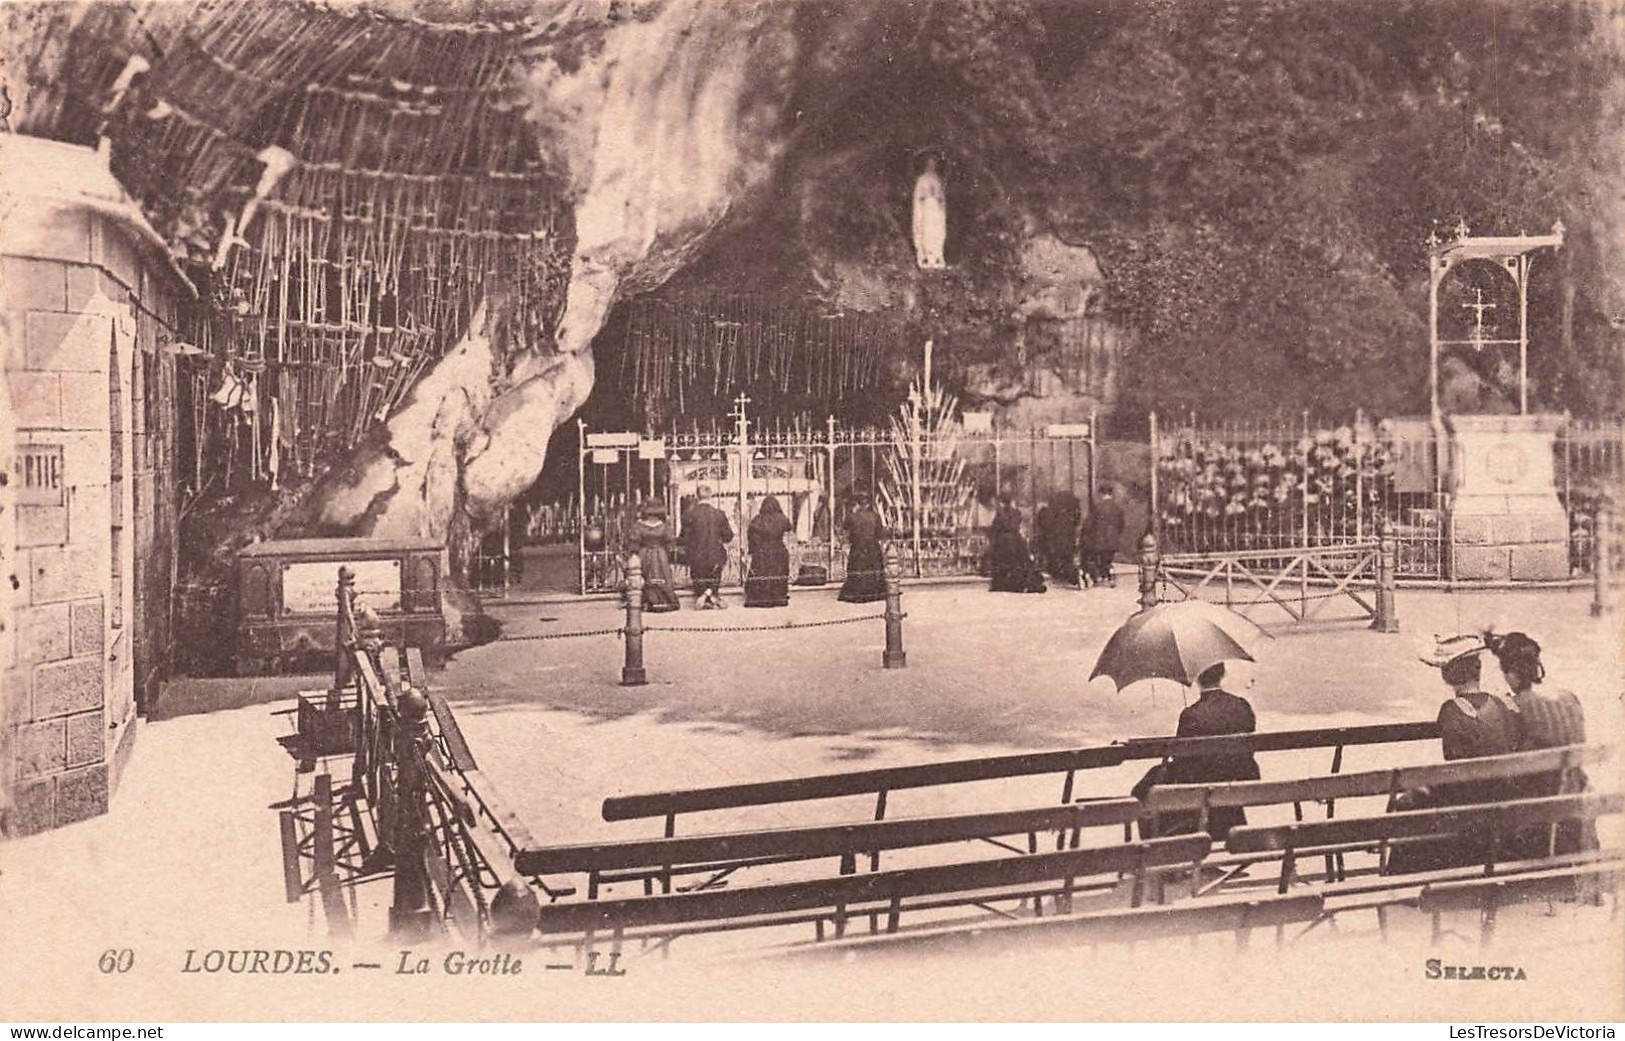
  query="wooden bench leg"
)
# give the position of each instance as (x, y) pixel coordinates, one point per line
(1289, 864)
(292, 883)
(894, 914)
(1486, 930)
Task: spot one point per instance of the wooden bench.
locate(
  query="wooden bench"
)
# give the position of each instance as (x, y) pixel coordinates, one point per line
(879, 782)
(722, 854)
(1189, 918)
(1497, 819)
(1488, 895)
(1203, 798)
(1200, 798)
(840, 898)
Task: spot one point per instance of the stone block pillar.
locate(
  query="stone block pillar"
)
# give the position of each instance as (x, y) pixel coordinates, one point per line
(79, 290)
(1506, 521)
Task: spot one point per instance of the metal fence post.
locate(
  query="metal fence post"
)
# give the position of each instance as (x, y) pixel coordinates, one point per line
(1148, 571)
(632, 674)
(894, 656)
(1602, 596)
(1386, 619)
(411, 917)
(1156, 514)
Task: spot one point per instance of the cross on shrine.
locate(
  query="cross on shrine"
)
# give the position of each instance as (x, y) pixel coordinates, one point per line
(738, 415)
(1478, 310)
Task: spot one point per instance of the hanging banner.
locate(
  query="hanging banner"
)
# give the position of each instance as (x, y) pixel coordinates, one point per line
(655, 449)
(977, 422)
(1067, 431)
(609, 440)
(606, 456)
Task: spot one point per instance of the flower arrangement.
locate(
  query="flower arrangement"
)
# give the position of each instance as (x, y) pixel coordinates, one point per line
(1217, 495)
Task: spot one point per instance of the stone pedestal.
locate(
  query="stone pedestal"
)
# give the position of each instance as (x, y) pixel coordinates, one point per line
(1506, 520)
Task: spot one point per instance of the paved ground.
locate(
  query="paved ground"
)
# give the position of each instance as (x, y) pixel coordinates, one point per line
(987, 673)
(188, 856)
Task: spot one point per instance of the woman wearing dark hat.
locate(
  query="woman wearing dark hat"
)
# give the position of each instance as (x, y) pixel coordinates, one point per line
(1544, 721)
(1012, 562)
(769, 581)
(651, 538)
(866, 559)
(1472, 723)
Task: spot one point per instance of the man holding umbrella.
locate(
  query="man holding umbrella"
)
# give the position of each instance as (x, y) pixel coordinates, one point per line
(1181, 642)
(1215, 712)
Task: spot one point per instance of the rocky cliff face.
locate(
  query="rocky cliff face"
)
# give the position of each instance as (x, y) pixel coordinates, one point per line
(663, 123)
(652, 123)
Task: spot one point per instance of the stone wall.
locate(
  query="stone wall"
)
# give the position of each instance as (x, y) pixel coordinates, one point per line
(78, 289)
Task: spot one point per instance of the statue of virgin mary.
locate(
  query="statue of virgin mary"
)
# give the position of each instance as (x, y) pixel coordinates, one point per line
(930, 216)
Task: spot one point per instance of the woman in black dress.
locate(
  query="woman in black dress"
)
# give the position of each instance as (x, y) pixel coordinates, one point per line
(769, 581)
(1012, 562)
(651, 538)
(866, 560)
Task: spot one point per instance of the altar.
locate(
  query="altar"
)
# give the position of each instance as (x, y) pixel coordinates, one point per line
(1506, 520)
(738, 488)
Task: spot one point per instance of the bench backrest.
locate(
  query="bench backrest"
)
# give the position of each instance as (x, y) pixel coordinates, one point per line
(1186, 797)
(870, 782)
(1499, 817)
(1278, 740)
(878, 886)
(857, 782)
(1477, 894)
(826, 840)
(1186, 918)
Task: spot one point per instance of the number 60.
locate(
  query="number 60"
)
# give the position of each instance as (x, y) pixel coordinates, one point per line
(116, 961)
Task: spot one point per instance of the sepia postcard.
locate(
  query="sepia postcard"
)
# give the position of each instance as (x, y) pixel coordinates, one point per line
(812, 510)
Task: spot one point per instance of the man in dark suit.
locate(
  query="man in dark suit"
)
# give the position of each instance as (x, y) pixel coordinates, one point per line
(1215, 713)
(706, 534)
(1101, 534)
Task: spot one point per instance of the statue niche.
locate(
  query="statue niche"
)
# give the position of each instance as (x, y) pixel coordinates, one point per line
(930, 217)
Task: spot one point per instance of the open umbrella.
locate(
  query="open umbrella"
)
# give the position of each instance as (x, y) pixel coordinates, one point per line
(1176, 642)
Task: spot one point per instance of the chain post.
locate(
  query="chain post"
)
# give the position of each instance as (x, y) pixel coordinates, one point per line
(1386, 619)
(632, 674)
(894, 657)
(411, 918)
(1149, 559)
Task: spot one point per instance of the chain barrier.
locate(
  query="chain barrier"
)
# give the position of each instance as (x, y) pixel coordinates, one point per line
(561, 636)
(762, 628)
(698, 629)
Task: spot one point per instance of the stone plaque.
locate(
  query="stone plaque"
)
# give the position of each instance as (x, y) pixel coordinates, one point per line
(43, 481)
(308, 588)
